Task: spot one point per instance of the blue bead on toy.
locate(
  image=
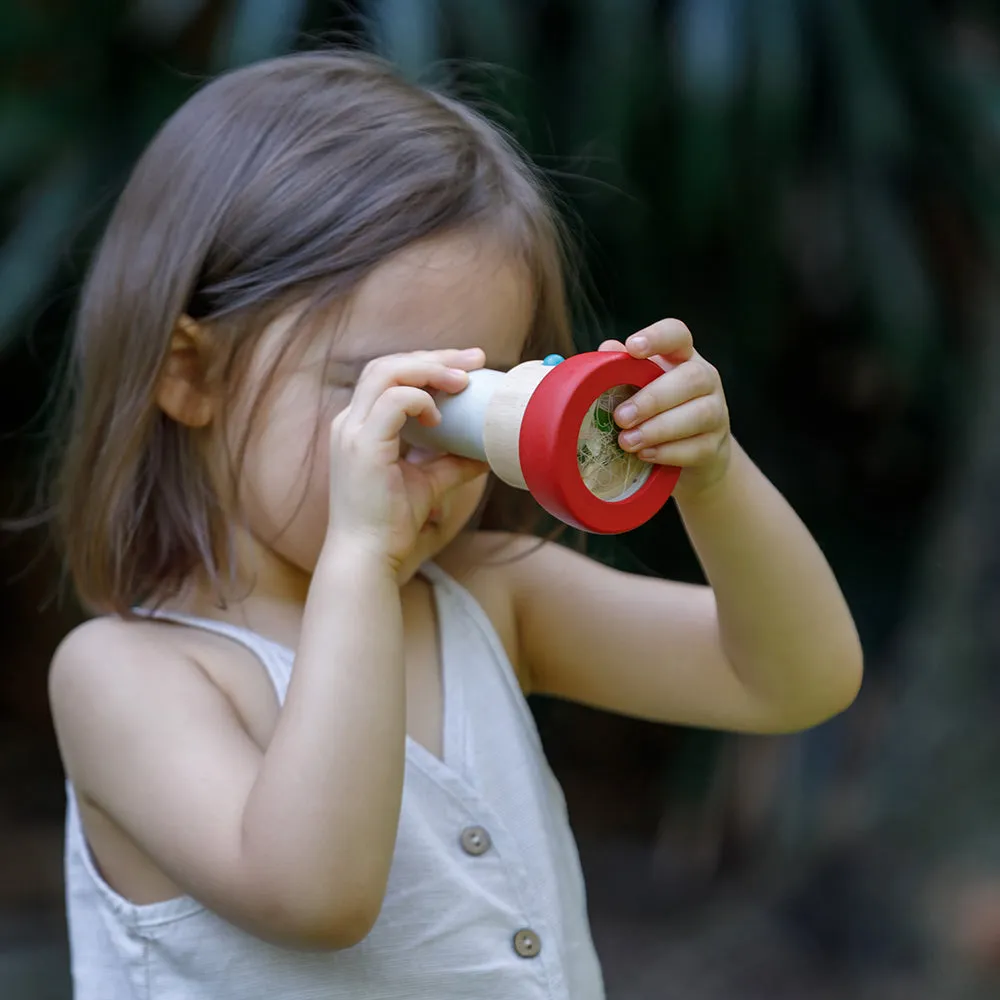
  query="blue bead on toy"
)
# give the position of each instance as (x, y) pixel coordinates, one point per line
(552, 359)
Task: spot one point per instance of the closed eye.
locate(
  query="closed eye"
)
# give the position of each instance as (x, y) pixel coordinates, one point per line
(341, 374)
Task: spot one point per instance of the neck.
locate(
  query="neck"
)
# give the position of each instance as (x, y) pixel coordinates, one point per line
(267, 596)
(267, 593)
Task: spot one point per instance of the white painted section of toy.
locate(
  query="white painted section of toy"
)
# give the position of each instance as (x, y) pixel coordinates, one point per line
(463, 417)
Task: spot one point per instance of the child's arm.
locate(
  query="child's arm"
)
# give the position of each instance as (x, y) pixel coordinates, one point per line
(770, 645)
(294, 841)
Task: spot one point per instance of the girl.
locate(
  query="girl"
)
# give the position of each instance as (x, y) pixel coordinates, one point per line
(300, 762)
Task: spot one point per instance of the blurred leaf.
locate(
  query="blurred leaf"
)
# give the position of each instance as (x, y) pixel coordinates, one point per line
(494, 29)
(779, 72)
(407, 33)
(712, 44)
(874, 118)
(899, 286)
(22, 27)
(606, 69)
(28, 130)
(259, 29)
(711, 36)
(164, 20)
(31, 253)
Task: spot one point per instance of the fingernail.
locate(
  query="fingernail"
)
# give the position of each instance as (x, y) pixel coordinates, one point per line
(625, 414)
(637, 343)
(631, 438)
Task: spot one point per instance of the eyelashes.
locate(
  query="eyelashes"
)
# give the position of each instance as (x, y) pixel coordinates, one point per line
(341, 377)
(341, 382)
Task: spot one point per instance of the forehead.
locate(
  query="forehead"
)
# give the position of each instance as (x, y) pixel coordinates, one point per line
(455, 291)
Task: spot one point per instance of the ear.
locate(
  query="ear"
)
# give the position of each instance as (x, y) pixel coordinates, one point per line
(183, 392)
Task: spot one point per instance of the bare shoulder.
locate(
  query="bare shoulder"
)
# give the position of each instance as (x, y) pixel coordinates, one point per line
(101, 652)
(115, 674)
(107, 658)
(495, 565)
(486, 552)
(511, 561)
(104, 653)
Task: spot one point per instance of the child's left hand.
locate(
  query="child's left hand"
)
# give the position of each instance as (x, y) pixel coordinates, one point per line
(680, 418)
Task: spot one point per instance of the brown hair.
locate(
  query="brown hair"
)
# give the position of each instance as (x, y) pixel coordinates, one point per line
(288, 180)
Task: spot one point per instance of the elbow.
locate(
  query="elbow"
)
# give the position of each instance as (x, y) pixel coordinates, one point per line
(335, 931)
(310, 911)
(831, 696)
(296, 903)
(304, 926)
(849, 672)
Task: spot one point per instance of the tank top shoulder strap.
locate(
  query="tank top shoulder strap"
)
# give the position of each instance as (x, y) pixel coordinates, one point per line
(276, 659)
(453, 598)
(467, 630)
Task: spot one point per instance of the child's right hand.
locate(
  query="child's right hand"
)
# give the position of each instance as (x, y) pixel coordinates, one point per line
(375, 498)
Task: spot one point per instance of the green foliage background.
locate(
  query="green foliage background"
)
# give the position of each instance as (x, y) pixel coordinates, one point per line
(813, 185)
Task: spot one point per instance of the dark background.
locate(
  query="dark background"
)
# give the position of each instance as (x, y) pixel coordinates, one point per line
(814, 186)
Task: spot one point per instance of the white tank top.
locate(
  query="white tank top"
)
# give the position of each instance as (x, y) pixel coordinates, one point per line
(485, 897)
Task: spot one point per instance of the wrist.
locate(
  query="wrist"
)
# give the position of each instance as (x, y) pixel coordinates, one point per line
(352, 555)
(702, 487)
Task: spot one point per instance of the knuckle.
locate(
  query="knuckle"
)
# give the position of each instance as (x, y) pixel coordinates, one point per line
(339, 426)
(405, 396)
(700, 379)
(398, 394)
(373, 368)
(678, 328)
(643, 401)
(709, 404)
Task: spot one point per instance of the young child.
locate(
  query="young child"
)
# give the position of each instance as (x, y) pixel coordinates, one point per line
(300, 762)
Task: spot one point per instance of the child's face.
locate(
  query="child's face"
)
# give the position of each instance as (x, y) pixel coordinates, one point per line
(456, 291)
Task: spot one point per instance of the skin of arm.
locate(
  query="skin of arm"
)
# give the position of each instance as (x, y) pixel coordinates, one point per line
(264, 838)
(293, 842)
(768, 647)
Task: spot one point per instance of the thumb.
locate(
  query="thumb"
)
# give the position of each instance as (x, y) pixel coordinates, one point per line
(449, 471)
(612, 345)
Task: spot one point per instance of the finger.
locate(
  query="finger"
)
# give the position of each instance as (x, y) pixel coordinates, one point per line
(686, 381)
(442, 371)
(466, 358)
(696, 416)
(612, 345)
(450, 471)
(683, 454)
(391, 411)
(670, 339)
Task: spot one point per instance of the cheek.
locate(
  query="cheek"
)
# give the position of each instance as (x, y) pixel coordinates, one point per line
(466, 500)
(287, 467)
